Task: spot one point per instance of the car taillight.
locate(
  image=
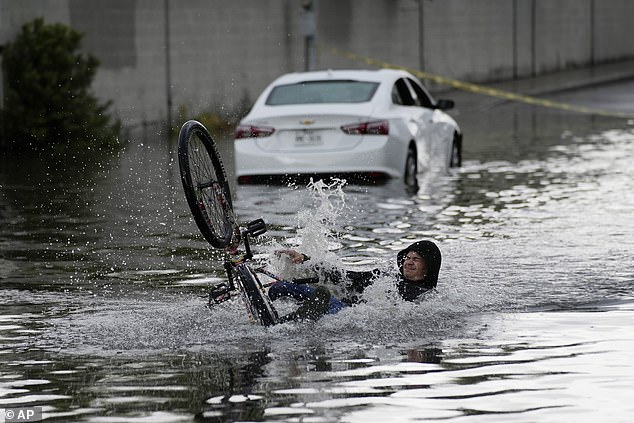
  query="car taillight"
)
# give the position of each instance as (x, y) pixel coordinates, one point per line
(378, 127)
(250, 131)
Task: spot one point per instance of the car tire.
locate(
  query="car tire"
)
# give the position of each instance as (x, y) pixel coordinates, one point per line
(411, 168)
(455, 160)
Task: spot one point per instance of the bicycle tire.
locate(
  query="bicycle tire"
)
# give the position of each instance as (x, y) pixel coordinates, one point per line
(257, 302)
(205, 185)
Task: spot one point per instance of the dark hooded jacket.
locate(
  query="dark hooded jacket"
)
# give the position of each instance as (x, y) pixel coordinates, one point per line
(410, 290)
(356, 282)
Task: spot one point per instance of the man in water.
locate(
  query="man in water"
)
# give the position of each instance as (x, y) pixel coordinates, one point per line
(418, 265)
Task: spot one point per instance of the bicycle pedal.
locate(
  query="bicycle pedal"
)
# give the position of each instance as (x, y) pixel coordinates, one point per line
(256, 227)
(219, 294)
(238, 258)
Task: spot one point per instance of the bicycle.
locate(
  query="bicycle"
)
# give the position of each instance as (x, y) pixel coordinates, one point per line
(209, 198)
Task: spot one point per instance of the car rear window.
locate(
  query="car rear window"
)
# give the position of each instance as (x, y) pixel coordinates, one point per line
(330, 91)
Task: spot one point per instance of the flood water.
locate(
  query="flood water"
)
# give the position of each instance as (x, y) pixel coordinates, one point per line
(103, 276)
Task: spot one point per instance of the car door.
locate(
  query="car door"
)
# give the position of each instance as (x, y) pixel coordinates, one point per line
(416, 118)
(439, 131)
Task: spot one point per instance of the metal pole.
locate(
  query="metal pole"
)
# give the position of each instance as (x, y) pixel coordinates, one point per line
(534, 37)
(421, 34)
(592, 31)
(515, 70)
(308, 28)
(2, 139)
(168, 70)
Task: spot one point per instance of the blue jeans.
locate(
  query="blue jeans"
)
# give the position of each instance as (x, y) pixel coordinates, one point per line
(300, 292)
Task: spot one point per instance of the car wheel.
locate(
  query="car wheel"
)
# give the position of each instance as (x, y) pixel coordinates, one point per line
(411, 168)
(456, 152)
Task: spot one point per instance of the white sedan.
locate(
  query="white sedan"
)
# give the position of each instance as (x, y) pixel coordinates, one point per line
(367, 124)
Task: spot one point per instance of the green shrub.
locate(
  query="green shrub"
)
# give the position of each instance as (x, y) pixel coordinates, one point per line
(48, 102)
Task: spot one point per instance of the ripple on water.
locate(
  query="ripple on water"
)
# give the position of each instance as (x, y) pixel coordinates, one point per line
(548, 237)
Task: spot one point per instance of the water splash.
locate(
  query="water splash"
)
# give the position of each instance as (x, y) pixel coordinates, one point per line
(317, 231)
(317, 225)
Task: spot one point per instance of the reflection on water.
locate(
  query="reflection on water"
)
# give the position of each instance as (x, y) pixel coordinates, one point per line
(103, 274)
(516, 369)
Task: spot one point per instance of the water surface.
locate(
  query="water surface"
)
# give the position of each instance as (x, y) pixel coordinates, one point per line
(103, 276)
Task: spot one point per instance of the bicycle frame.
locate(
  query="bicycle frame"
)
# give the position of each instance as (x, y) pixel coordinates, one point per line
(243, 278)
(234, 258)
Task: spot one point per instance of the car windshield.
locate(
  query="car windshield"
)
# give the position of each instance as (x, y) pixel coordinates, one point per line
(330, 91)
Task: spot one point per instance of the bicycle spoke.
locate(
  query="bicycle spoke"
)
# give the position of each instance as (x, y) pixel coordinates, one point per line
(205, 181)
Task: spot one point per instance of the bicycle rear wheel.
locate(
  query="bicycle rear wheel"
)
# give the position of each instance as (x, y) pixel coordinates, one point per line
(205, 185)
(257, 302)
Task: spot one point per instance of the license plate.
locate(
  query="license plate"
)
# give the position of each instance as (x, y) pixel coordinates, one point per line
(307, 138)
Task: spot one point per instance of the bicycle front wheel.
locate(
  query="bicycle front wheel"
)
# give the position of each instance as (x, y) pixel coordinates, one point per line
(257, 302)
(205, 184)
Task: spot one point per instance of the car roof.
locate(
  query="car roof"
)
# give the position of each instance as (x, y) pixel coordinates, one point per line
(380, 75)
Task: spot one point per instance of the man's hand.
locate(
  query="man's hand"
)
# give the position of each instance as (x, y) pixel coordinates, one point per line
(295, 256)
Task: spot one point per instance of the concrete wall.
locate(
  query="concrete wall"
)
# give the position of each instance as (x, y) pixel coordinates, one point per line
(195, 54)
(466, 42)
(202, 54)
(613, 37)
(381, 29)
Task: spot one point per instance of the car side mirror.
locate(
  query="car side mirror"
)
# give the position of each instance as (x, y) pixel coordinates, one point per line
(444, 104)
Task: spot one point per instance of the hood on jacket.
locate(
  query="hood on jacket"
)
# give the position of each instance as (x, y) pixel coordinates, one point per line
(430, 253)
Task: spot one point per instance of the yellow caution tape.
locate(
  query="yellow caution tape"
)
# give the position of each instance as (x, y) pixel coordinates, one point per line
(478, 89)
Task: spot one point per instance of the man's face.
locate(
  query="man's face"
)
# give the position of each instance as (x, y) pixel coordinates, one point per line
(414, 267)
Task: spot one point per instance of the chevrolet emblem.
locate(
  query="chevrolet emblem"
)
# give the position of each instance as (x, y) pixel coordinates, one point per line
(306, 122)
